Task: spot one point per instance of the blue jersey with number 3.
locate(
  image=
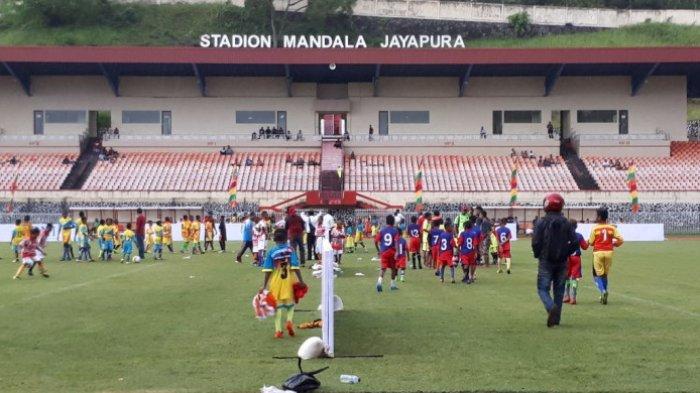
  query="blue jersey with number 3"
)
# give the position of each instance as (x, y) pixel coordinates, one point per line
(388, 237)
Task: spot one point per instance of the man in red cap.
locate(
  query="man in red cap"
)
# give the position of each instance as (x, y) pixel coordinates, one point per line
(294, 225)
(553, 240)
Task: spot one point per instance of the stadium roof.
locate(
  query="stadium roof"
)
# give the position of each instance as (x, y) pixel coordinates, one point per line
(352, 65)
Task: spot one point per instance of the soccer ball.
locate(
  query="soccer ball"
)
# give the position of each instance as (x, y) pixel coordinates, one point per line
(136, 259)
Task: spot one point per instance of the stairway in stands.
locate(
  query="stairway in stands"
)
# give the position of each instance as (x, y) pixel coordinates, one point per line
(578, 169)
(331, 159)
(82, 168)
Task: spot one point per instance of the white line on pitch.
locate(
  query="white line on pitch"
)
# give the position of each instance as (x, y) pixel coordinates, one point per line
(642, 300)
(79, 285)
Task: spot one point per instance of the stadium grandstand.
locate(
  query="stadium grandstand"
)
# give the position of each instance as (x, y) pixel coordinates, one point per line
(345, 128)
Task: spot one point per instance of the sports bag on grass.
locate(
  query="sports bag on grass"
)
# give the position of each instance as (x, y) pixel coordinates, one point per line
(303, 382)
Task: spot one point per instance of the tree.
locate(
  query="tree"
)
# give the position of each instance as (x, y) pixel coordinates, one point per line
(520, 23)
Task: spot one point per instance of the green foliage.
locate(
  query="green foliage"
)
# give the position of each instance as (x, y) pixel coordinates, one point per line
(520, 23)
(52, 13)
(187, 326)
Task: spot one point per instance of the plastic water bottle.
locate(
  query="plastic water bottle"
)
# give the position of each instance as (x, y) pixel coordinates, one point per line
(352, 379)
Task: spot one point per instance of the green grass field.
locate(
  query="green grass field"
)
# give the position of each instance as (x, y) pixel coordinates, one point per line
(187, 326)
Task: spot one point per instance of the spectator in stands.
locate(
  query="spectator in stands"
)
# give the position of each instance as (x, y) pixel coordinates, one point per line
(288, 159)
(338, 144)
(294, 225)
(66, 161)
(248, 161)
(540, 162)
(261, 132)
(226, 151)
(482, 133)
(371, 133)
(13, 161)
(140, 231)
(618, 165)
(299, 162)
(259, 163)
(346, 135)
(268, 132)
(288, 135)
(550, 130)
(513, 153)
(606, 163)
(116, 132)
(253, 136)
(300, 136)
(531, 155)
(352, 155)
(313, 162)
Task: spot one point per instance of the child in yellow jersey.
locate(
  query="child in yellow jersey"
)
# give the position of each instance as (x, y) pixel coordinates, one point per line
(604, 237)
(128, 240)
(195, 234)
(185, 232)
(99, 231)
(66, 226)
(17, 237)
(26, 227)
(168, 234)
(149, 235)
(209, 233)
(108, 233)
(158, 241)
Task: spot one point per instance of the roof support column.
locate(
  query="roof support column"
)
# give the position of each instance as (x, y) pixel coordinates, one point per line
(551, 79)
(375, 80)
(289, 79)
(112, 78)
(641, 78)
(201, 79)
(464, 80)
(24, 79)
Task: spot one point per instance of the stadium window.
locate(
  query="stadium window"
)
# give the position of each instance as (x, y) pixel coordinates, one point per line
(409, 117)
(596, 116)
(522, 116)
(256, 117)
(141, 117)
(66, 117)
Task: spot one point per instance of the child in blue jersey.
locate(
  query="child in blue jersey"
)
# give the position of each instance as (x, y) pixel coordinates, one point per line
(446, 246)
(388, 239)
(128, 239)
(468, 244)
(574, 268)
(503, 236)
(414, 234)
(433, 237)
(401, 256)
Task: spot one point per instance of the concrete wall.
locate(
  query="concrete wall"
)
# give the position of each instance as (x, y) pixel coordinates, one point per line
(660, 105)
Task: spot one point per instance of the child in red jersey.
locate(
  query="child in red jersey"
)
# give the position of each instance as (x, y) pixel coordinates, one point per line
(32, 253)
(574, 270)
(468, 243)
(446, 246)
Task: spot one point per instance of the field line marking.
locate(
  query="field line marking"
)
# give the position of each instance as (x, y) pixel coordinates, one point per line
(79, 285)
(587, 284)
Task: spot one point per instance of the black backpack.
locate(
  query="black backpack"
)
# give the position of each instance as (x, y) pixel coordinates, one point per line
(303, 382)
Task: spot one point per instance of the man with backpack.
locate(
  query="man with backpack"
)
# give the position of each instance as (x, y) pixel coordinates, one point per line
(553, 240)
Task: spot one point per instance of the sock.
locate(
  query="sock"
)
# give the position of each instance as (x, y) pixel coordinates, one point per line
(574, 287)
(599, 283)
(290, 313)
(604, 281)
(402, 272)
(393, 282)
(567, 286)
(452, 272)
(278, 320)
(508, 263)
(419, 262)
(379, 281)
(442, 273)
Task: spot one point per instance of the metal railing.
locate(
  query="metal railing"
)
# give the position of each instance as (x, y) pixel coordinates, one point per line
(223, 137)
(446, 137)
(659, 136)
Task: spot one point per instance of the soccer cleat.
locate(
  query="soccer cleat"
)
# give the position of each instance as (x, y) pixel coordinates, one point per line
(442, 280)
(279, 335)
(566, 299)
(15, 277)
(45, 275)
(453, 281)
(508, 271)
(499, 271)
(30, 273)
(393, 287)
(573, 301)
(290, 328)
(604, 298)
(437, 274)
(379, 287)
(402, 278)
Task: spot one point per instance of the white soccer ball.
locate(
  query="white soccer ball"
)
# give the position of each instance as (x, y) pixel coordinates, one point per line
(136, 259)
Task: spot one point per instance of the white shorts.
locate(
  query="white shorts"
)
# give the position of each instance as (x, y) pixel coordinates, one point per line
(30, 261)
(319, 245)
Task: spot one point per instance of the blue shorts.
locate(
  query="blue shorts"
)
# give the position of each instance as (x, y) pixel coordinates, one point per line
(127, 248)
(157, 247)
(107, 245)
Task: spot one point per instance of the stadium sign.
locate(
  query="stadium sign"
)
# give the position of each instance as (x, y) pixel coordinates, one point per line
(329, 41)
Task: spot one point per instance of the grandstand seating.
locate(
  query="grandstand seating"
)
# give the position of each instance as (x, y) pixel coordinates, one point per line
(154, 171)
(679, 172)
(454, 173)
(34, 172)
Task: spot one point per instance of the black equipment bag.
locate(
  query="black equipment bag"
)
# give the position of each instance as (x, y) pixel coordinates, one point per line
(303, 382)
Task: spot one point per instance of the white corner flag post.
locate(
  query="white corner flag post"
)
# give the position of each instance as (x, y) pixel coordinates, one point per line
(327, 293)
